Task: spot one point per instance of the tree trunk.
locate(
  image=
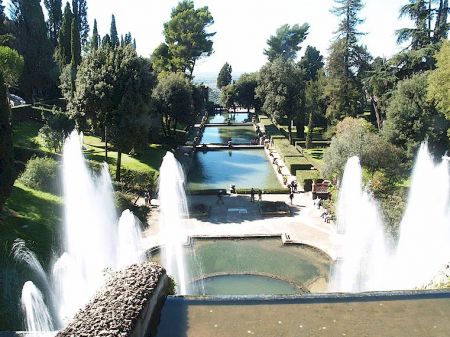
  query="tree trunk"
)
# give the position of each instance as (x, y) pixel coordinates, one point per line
(106, 147)
(118, 165)
(310, 130)
(290, 132)
(300, 125)
(377, 112)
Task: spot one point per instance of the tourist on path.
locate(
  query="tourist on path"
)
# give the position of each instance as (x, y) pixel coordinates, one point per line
(260, 195)
(291, 196)
(252, 195)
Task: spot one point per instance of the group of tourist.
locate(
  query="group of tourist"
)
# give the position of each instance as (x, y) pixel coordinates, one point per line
(252, 194)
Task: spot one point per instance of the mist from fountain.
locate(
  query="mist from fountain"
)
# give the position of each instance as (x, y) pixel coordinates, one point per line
(370, 261)
(173, 212)
(94, 242)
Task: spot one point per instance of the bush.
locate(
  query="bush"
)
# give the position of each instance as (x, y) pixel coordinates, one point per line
(138, 182)
(284, 148)
(297, 163)
(305, 178)
(41, 174)
(125, 201)
(58, 126)
(264, 190)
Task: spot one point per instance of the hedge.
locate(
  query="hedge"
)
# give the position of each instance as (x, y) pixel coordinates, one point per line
(280, 190)
(284, 148)
(25, 112)
(306, 177)
(297, 163)
(270, 128)
(24, 154)
(314, 143)
(213, 191)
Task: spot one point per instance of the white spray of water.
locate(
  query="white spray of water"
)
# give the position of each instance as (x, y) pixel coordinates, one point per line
(173, 212)
(38, 318)
(130, 240)
(368, 261)
(93, 242)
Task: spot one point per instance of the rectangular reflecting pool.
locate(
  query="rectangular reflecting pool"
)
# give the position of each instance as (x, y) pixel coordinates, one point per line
(219, 169)
(221, 134)
(241, 117)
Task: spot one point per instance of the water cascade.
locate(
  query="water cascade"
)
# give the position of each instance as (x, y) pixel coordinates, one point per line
(38, 319)
(93, 242)
(173, 212)
(370, 261)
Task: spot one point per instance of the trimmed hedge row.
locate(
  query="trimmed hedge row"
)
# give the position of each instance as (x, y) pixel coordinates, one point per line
(264, 191)
(284, 148)
(314, 143)
(270, 128)
(305, 178)
(297, 163)
(25, 112)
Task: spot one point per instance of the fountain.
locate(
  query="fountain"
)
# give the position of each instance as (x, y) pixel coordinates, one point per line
(369, 262)
(38, 320)
(173, 212)
(94, 242)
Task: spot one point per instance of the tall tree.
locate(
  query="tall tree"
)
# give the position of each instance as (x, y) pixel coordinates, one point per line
(95, 41)
(64, 51)
(33, 43)
(79, 8)
(224, 78)
(113, 89)
(186, 35)
(315, 103)
(441, 27)
(439, 80)
(346, 62)
(173, 99)
(54, 22)
(11, 63)
(6, 147)
(286, 42)
(75, 45)
(411, 119)
(419, 13)
(2, 14)
(245, 88)
(311, 62)
(113, 32)
(280, 89)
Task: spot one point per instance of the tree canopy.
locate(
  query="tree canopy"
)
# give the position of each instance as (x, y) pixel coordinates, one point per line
(11, 64)
(286, 42)
(439, 80)
(224, 78)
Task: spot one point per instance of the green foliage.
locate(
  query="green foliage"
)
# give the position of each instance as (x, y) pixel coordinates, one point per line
(439, 80)
(63, 54)
(6, 146)
(54, 21)
(113, 32)
(412, 120)
(138, 182)
(286, 42)
(80, 13)
(245, 89)
(75, 45)
(311, 63)
(186, 36)
(306, 177)
(33, 44)
(124, 201)
(315, 103)
(284, 148)
(280, 89)
(224, 78)
(11, 64)
(355, 137)
(173, 99)
(41, 174)
(58, 126)
(95, 40)
(228, 96)
(172, 287)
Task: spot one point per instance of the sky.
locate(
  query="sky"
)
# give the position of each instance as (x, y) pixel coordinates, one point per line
(243, 26)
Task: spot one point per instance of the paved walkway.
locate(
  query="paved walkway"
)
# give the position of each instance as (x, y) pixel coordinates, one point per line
(239, 217)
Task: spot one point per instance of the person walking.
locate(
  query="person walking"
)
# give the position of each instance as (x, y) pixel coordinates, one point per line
(291, 196)
(220, 198)
(260, 195)
(252, 195)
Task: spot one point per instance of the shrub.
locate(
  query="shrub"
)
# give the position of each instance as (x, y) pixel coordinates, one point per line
(138, 182)
(125, 201)
(41, 174)
(57, 127)
(297, 163)
(305, 178)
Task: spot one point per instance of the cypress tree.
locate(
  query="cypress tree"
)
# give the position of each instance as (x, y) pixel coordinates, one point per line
(95, 41)
(33, 43)
(224, 78)
(134, 44)
(75, 46)
(54, 21)
(2, 16)
(6, 146)
(113, 33)
(64, 50)
(79, 8)
(106, 41)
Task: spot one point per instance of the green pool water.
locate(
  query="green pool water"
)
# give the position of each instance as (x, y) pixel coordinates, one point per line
(233, 117)
(254, 267)
(247, 285)
(244, 168)
(221, 134)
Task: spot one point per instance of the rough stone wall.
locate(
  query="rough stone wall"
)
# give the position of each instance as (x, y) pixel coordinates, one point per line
(121, 304)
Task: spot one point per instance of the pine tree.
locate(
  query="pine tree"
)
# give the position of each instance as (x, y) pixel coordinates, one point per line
(6, 147)
(64, 50)
(75, 45)
(106, 41)
(346, 62)
(54, 21)
(33, 44)
(95, 41)
(2, 16)
(441, 26)
(79, 8)
(134, 44)
(113, 33)
(224, 78)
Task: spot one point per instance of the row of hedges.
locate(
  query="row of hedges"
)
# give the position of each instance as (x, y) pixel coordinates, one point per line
(284, 148)
(305, 178)
(314, 143)
(270, 128)
(264, 191)
(25, 112)
(297, 163)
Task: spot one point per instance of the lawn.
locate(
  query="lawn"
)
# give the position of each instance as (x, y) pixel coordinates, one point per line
(26, 135)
